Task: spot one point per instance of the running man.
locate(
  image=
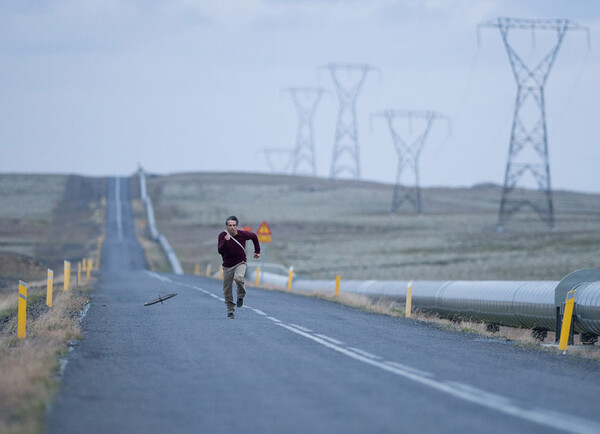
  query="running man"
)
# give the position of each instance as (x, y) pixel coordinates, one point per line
(231, 247)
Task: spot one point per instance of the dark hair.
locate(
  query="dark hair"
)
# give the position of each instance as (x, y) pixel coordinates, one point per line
(234, 218)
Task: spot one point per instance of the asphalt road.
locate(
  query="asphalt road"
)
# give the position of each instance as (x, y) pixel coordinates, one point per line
(290, 363)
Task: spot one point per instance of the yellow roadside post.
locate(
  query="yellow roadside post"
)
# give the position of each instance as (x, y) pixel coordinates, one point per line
(197, 270)
(84, 264)
(78, 273)
(337, 285)
(409, 299)
(257, 275)
(22, 314)
(220, 272)
(566, 322)
(67, 273)
(290, 278)
(207, 270)
(90, 265)
(49, 287)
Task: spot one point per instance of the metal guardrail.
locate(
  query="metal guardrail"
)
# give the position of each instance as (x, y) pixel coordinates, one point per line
(157, 236)
(534, 305)
(149, 209)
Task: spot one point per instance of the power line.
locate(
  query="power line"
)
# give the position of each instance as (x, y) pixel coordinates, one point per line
(282, 165)
(529, 130)
(305, 100)
(409, 153)
(346, 155)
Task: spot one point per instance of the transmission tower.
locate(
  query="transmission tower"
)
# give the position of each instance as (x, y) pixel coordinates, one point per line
(306, 101)
(409, 153)
(284, 158)
(528, 149)
(345, 148)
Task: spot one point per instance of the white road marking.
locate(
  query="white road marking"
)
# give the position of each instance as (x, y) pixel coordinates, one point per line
(304, 329)
(462, 391)
(364, 353)
(332, 340)
(467, 393)
(409, 369)
(158, 276)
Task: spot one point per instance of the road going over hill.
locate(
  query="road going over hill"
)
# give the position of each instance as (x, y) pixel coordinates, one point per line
(290, 363)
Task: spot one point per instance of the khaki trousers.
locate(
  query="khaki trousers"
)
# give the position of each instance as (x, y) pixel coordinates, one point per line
(231, 274)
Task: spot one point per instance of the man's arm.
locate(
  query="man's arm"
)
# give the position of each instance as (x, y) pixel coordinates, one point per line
(254, 239)
(222, 245)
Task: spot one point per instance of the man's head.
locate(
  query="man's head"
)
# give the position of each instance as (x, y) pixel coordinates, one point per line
(232, 224)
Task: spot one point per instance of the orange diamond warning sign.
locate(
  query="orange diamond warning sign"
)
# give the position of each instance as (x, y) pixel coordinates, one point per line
(264, 233)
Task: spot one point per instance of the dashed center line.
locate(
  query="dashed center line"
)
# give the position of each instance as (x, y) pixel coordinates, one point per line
(364, 353)
(327, 338)
(410, 369)
(304, 329)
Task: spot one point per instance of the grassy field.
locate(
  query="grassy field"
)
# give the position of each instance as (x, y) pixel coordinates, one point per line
(29, 366)
(324, 228)
(321, 227)
(44, 220)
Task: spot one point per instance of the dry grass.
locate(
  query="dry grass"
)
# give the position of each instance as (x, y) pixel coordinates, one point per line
(324, 228)
(44, 219)
(387, 306)
(328, 227)
(9, 301)
(29, 366)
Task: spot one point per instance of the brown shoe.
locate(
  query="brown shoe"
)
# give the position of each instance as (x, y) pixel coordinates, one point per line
(230, 315)
(240, 302)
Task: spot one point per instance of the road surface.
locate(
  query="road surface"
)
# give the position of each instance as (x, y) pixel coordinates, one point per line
(289, 363)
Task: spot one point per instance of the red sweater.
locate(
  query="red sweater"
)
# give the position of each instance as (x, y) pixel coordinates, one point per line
(231, 252)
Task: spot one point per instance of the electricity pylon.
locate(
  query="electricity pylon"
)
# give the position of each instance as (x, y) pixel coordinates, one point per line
(409, 152)
(283, 164)
(346, 157)
(306, 100)
(529, 131)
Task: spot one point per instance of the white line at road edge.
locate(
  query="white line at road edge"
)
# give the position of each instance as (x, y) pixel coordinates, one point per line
(468, 393)
(327, 338)
(462, 391)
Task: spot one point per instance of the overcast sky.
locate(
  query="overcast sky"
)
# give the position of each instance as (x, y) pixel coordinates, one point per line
(95, 87)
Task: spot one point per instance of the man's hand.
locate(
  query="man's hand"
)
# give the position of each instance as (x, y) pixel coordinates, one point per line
(256, 255)
(227, 236)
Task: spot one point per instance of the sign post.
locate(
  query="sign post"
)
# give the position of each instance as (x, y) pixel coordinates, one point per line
(264, 233)
(264, 237)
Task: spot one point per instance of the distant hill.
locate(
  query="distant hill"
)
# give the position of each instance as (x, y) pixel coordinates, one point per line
(327, 227)
(44, 220)
(321, 227)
